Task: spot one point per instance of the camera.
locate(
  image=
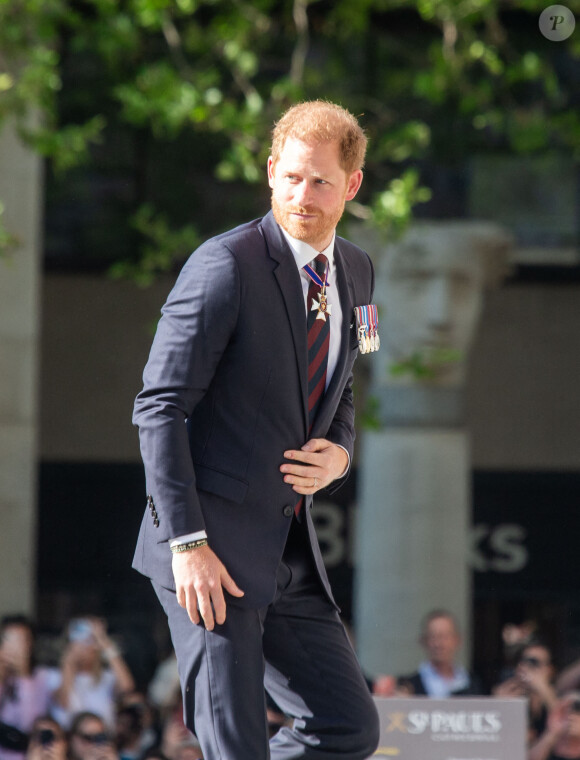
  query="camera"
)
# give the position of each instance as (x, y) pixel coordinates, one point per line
(43, 736)
(46, 736)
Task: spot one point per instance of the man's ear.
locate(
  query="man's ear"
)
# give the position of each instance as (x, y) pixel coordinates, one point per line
(353, 184)
(270, 172)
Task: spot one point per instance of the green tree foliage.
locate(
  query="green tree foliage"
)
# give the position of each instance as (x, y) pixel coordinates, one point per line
(430, 78)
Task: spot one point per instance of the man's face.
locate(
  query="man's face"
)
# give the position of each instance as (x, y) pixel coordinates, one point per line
(89, 740)
(309, 190)
(16, 641)
(47, 741)
(534, 660)
(441, 641)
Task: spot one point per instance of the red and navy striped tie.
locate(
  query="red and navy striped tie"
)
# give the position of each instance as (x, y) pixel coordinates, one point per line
(318, 343)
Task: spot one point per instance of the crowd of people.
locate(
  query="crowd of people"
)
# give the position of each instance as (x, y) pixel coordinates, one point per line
(88, 708)
(553, 699)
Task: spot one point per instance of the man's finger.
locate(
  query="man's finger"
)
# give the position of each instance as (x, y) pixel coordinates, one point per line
(180, 594)
(219, 605)
(206, 611)
(315, 444)
(307, 485)
(302, 471)
(191, 607)
(308, 457)
(230, 585)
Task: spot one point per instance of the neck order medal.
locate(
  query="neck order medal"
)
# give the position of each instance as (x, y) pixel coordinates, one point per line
(321, 305)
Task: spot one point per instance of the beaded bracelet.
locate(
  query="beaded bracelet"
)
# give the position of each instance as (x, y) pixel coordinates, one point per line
(191, 545)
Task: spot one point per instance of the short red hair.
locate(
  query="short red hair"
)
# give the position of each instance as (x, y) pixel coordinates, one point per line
(318, 121)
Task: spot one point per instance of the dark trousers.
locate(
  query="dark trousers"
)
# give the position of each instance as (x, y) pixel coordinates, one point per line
(298, 650)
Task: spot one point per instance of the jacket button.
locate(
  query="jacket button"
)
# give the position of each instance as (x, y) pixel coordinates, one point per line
(288, 511)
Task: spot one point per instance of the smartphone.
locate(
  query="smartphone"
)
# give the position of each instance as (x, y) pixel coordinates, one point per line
(80, 629)
(46, 736)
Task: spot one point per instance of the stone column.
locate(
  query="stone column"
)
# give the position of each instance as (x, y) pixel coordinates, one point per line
(21, 195)
(414, 471)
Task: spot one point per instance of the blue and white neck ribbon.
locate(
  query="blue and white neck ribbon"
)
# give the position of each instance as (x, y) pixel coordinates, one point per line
(315, 277)
(321, 305)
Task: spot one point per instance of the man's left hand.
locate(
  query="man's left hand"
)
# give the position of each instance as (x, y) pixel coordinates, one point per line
(314, 466)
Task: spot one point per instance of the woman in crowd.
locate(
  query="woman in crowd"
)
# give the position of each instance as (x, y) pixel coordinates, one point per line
(89, 739)
(533, 678)
(24, 688)
(93, 674)
(561, 738)
(47, 740)
(136, 728)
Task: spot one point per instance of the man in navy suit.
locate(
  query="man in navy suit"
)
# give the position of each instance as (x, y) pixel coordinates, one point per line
(237, 433)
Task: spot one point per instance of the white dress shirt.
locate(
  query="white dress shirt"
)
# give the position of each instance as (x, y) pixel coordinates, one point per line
(438, 686)
(305, 254)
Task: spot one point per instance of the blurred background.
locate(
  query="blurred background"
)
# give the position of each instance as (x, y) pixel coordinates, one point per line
(133, 129)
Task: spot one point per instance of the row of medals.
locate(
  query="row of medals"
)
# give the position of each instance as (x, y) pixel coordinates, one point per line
(368, 342)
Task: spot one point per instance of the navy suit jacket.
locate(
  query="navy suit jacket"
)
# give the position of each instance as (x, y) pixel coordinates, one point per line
(225, 394)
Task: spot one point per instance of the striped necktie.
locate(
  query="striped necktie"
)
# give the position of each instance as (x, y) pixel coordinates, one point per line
(318, 343)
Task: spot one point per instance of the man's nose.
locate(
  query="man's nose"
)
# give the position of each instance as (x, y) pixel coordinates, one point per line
(302, 194)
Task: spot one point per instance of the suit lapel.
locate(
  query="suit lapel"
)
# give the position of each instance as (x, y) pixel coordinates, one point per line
(288, 280)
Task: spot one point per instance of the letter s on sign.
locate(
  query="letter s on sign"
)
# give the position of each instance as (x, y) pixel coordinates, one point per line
(493, 720)
(418, 721)
(507, 540)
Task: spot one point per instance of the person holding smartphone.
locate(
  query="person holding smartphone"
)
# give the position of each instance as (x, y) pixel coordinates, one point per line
(533, 678)
(93, 673)
(89, 739)
(47, 740)
(561, 739)
(25, 689)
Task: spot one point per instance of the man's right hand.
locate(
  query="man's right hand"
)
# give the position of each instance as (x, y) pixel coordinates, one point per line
(200, 578)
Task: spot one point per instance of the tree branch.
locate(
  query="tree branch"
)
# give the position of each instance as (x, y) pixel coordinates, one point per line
(300, 16)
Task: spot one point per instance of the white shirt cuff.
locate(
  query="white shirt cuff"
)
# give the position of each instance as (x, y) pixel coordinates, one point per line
(348, 463)
(187, 538)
